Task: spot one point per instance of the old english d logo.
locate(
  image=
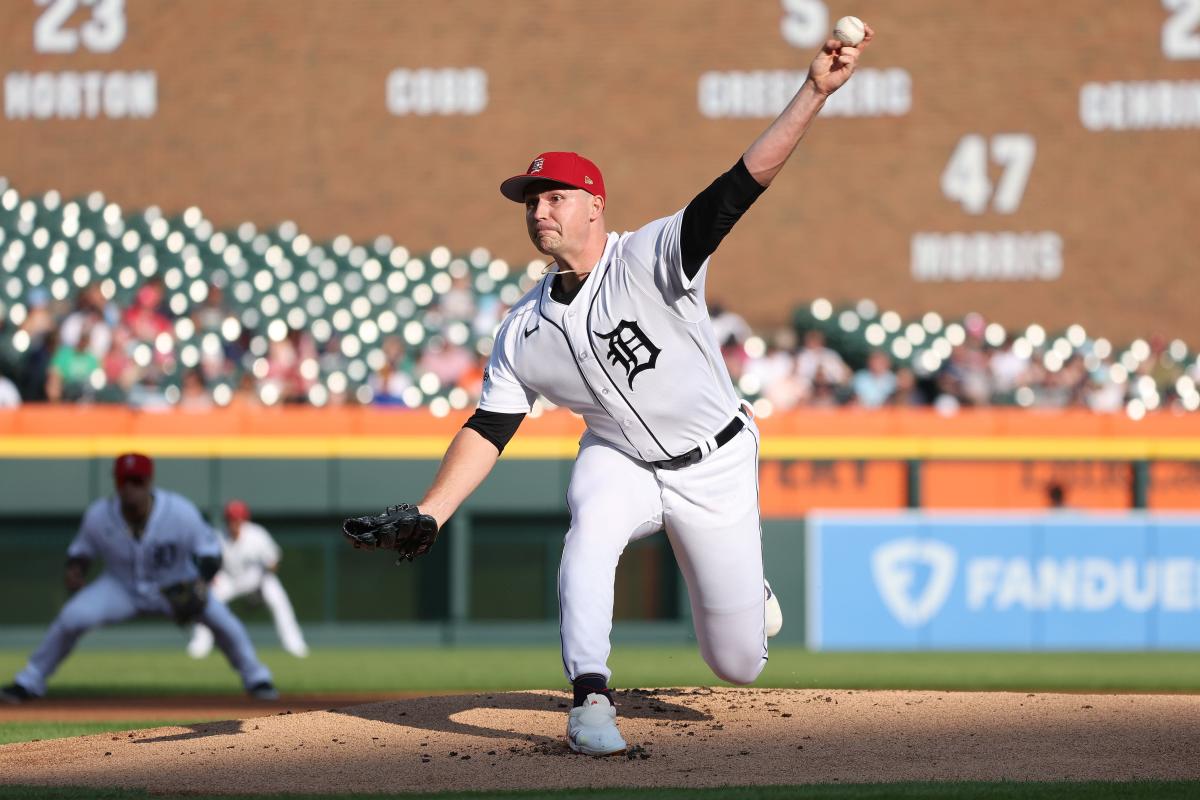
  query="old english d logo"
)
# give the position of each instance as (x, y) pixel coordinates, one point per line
(896, 566)
(629, 348)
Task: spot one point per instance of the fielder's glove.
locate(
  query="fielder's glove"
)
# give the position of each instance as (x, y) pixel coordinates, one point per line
(187, 600)
(402, 528)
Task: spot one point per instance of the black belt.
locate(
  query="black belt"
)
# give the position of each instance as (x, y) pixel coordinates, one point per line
(695, 455)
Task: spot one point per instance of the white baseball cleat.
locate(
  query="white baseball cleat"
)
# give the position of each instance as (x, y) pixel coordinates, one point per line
(774, 614)
(201, 643)
(198, 650)
(592, 728)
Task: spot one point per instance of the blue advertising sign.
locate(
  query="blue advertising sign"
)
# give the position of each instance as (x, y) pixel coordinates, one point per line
(1057, 581)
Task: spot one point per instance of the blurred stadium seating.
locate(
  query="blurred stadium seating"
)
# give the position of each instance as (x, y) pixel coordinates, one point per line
(177, 313)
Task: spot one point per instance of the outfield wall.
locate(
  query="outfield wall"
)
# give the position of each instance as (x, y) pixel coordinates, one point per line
(492, 575)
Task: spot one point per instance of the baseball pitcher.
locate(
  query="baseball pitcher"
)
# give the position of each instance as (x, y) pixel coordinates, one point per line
(618, 332)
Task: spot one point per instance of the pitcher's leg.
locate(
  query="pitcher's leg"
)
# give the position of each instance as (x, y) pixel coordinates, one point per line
(712, 519)
(276, 598)
(613, 500)
(102, 602)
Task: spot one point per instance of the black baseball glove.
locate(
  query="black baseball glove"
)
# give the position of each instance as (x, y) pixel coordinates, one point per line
(187, 600)
(402, 528)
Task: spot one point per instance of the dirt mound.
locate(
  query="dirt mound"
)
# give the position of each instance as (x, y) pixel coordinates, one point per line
(678, 737)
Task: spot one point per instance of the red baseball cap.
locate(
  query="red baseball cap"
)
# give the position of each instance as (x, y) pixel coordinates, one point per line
(569, 169)
(132, 465)
(236, 509)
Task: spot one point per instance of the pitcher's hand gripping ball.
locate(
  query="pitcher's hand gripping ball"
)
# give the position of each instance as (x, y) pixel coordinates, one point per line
(849, 30)
(402, 528)
(187, 600)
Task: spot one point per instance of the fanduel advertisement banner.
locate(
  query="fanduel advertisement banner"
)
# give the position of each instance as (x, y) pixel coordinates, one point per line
(1028, 582)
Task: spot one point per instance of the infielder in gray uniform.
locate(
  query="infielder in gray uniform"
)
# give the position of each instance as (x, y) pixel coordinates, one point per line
(159, 556)
(619, 333)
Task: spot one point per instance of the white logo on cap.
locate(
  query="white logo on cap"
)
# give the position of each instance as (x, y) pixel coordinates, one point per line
(536, 166)
(895, 565)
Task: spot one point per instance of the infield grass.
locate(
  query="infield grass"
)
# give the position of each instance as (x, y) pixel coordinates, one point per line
(1168, 790)
(93, 672)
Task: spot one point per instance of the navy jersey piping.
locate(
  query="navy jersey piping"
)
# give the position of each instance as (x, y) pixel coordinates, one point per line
(592, 345)
(575, 361)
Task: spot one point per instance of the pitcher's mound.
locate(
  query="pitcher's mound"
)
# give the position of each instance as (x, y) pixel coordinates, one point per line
(677, 737)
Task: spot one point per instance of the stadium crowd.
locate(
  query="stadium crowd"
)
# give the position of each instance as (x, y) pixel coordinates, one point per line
(94, 350)
(97, 305)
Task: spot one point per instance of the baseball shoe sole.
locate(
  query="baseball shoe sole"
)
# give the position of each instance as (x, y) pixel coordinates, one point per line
(592, 728)
(263, 691)
(774, 614)
(14, 694)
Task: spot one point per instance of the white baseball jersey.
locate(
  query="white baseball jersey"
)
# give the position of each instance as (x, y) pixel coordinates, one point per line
(248, 557)
(633, 353)
(175, 532)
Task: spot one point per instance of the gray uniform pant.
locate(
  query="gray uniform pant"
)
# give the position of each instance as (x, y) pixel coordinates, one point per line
(105, 601)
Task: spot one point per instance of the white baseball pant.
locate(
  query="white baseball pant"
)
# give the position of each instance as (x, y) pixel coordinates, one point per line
(710, 512)
(276, 599)
(106, 601)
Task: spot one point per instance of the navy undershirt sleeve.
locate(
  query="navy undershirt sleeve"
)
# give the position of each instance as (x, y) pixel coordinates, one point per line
(495, 427)
(712, 214)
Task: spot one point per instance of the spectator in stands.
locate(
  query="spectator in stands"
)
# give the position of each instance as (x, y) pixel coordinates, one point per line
(245, 394)
(775, 371)
(1009, 372)
(388, 385)
(874, 385)
(148, 392)
(120, 370)
(907, 392)
(69, 374)
(490, 309)
(394, 376)
(39, 318)
(37, 367)
(211, 312)
(446, 360)
(728, 325)
(965, 378)
(825, 391)
(284, 358)
(1103, 394)
(144, 319)
(193, 394)
(96, 314)
(458, 303)
(815, 357)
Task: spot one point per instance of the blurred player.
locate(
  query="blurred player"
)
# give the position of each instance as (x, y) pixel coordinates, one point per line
(159, 556)
(249, 558)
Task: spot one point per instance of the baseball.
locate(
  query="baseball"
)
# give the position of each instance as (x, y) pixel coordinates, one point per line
(849, 30)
